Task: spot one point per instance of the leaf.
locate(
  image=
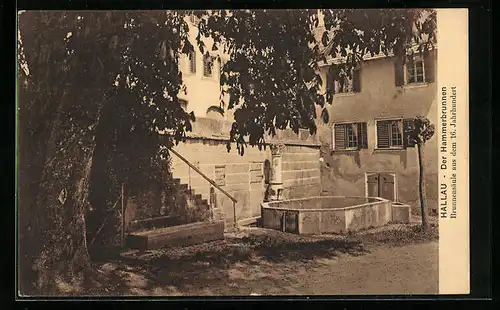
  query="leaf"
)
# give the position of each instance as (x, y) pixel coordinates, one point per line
(324, 38)
(329, 97)
(320, 100)
(325, 116)
(216, 109)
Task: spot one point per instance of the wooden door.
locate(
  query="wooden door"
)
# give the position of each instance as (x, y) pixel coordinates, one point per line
(372, 185)
(381, 185)
(386, 183)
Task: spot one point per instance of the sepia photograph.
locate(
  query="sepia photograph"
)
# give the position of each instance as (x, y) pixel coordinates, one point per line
(242, 152)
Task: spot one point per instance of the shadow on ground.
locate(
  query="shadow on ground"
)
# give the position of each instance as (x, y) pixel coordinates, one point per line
(193, 268)
(229, 266)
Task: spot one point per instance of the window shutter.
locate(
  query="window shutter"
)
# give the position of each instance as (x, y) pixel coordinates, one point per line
(363, 136)
(356, 81)
(330, 82)
(399, 71)
(219, 67)
(408, 127)
(192, 62)
(339, 137)
(383, 134)
(430, 69)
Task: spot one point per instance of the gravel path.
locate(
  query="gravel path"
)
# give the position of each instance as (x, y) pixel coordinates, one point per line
(397, 260)
(410, 269)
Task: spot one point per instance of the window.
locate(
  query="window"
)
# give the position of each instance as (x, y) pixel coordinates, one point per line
(415, 71)
(418, 69)
(395, 133)
(351, 136)
(192, 62)
(193, 19)
(348, 84)
(342, 83)
(220, 175)
(207, 65)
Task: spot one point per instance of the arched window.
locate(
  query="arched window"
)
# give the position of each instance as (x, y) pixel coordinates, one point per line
(215, 111)
(208, 65)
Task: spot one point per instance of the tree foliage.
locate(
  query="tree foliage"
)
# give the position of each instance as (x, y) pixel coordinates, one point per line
(266, 75)
(272, 75)
(87, 78)
(423, 130)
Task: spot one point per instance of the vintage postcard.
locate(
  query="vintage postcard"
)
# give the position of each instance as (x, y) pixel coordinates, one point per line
(243, 152)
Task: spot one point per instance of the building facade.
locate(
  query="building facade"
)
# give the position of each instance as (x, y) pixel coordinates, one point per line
(365, 146)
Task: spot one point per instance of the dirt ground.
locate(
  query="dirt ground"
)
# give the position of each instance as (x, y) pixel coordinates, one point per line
(395, 259)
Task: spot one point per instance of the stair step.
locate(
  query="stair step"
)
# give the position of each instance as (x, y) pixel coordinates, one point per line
(194, 233)
(188, 192)
(201, 201)
(155, 222)
(204, 207)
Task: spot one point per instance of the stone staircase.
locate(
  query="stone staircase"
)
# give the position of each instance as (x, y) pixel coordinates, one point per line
(200, 204)
(196, 223)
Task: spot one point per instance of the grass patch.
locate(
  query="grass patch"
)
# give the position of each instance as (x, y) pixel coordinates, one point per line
(403, 235)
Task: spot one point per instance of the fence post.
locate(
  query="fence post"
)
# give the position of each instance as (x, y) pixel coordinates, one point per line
(234, 216)
(211, 203)
(123, 218)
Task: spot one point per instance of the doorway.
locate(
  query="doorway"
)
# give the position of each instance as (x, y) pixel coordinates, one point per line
(381, 184)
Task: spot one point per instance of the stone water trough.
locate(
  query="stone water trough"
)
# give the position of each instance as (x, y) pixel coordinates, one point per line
(178, 235)
(331, 214)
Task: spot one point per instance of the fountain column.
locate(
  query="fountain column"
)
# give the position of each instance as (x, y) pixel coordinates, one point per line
(276, 183)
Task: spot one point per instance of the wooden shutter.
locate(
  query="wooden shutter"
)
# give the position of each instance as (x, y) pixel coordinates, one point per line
(399, 75)
(192, 62)
(330, 81)
(372, 185)
(363, 136)
(356, 81)
(387, 186)
(430, 69)
(383, 134)
(340, 141)
(408, 127)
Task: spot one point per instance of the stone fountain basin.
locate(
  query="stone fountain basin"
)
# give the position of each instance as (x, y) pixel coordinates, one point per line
(326, 214)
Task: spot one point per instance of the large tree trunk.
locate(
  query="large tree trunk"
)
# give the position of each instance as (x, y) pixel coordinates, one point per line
(421, 186)
(57, 240)
(32, 138)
